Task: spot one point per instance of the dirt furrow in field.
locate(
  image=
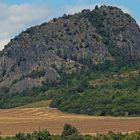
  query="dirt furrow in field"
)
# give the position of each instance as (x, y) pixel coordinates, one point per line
(27, 120)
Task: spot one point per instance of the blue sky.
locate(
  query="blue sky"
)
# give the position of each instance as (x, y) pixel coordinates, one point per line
(17, 15)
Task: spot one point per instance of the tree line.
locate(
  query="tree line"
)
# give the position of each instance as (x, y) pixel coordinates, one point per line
(71, 133)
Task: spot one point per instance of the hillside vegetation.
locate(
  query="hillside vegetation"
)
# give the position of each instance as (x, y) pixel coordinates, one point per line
(39, 104)
(93, 93)
(100, 93)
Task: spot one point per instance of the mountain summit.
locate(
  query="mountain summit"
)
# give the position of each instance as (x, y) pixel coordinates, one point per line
(69, 44)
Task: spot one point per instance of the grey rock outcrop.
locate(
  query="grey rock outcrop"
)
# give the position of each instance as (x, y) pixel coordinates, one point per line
(67, 44)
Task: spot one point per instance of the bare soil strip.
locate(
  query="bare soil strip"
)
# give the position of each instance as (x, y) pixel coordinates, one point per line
(27, 120)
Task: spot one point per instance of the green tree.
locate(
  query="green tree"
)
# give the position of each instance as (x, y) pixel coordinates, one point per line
(20, 136)
(69, 130)
(96, 7)
(41, 135)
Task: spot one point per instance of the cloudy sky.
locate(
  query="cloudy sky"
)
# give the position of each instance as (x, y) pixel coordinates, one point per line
(17, 15)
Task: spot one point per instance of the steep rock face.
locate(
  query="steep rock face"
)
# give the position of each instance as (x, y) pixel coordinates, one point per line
(68, 44)
(123, 31)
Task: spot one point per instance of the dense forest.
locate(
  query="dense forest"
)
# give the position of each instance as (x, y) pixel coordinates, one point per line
(102, 92)
(71, 133)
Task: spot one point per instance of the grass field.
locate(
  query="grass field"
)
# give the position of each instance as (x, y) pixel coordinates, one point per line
(35, 116)
(44, 103)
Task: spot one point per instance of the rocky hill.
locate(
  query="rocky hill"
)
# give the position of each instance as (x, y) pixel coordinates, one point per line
(70, 44)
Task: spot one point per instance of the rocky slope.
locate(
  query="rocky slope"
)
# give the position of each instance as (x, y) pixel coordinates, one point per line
(69, 44)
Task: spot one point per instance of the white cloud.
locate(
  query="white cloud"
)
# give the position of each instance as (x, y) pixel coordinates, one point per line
(124, 9)
(15, 18)
(3, 42)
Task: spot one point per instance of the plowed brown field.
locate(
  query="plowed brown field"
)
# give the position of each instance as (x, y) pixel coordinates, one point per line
(25, 120)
